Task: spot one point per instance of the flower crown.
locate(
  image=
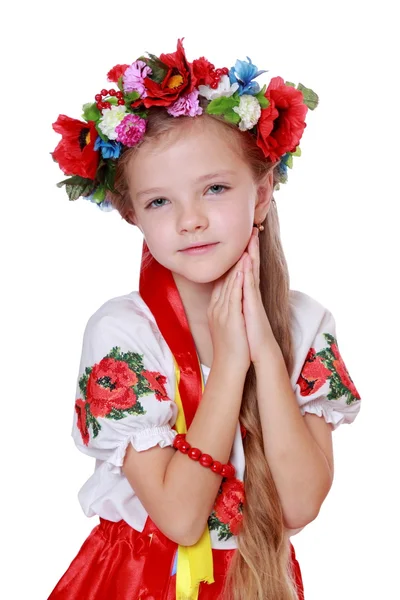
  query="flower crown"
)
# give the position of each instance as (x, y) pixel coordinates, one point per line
(89, 150)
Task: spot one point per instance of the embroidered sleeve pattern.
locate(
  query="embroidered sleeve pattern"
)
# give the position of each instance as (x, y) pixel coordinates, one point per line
(227, 515)
(111, 389)
(327, 365)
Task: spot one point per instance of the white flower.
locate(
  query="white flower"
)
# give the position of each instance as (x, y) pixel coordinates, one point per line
(224, 89)
(249, 110)
(110, 119)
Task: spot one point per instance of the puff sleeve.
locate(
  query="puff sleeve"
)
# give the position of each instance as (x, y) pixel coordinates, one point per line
(125, 388)
(323, 385)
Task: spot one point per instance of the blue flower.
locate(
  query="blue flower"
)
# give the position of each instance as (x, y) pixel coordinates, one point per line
(108, 149)
(243, 73)
(283, 170)
(104, 205)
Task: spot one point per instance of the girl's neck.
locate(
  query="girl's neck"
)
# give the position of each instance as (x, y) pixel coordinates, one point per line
(195, 299)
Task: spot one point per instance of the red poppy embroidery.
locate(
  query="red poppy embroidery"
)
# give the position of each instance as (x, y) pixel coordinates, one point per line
(111, 388)
(80, 408)
(227, 515)
(313, 375)
(157, 384)
(327, 365)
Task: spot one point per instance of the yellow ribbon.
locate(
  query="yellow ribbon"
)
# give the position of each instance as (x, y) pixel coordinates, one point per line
(195, 563)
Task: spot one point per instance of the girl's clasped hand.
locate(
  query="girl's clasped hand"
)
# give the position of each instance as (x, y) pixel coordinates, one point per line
(239, 326)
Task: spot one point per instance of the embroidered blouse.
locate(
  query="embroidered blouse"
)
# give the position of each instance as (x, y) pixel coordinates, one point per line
(125, 395)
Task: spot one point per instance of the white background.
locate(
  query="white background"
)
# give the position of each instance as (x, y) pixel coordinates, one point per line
(60, 260)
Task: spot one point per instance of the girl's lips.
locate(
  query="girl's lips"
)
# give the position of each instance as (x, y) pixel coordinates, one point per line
(200, 249)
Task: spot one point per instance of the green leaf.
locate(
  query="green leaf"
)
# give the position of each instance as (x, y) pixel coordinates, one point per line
(101, 134)
(120, 84)
(91, 112)
(290, 83)
(112, 100)
(77, 186)
(289, 161)
(297, 152)
(100, 193)
(109, 175)
(232, 117)
(159, 69)
(222, 105)
(310, 97)
(263, 101)
(131, 97)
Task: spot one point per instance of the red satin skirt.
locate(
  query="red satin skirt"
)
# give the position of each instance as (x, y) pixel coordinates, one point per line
(116, 562)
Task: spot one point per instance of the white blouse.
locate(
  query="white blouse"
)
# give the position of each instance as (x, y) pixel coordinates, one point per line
(125, 395)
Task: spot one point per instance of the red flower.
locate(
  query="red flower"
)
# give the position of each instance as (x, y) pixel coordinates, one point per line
(75, 152)
(243, 431)
(343, 373)
(206, 74)
(229, 504)
(156, 383)
(313, 374)
(116, 72)
(288, 127)
(109, 387)
(80, 409)
(265, 126)
(179, 79)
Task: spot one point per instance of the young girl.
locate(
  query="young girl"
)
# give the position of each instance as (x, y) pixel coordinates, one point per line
(208, 397)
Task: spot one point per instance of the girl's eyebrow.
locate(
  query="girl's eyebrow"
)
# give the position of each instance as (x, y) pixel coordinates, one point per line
(200, 179)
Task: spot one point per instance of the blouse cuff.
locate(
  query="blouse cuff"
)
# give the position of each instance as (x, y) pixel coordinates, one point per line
(323, 410)
(143, 440)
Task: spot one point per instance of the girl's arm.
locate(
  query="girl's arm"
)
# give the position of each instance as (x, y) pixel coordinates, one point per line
(177, 492)
(298, 449)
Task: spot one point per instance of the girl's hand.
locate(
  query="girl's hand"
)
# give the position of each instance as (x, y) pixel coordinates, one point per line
(259, 333)
(226, 319)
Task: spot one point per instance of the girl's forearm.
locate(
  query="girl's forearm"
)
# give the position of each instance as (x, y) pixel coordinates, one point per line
(299, 468)
(187, 484)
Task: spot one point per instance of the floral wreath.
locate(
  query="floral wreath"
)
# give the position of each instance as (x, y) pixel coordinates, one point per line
(89, 150)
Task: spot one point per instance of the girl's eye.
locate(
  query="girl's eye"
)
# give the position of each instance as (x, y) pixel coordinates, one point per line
(219, 187)
(216, 189)
(150, 205)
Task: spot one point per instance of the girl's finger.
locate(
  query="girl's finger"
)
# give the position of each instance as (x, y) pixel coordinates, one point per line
(234, 280)
(236, 295)
(228, 280)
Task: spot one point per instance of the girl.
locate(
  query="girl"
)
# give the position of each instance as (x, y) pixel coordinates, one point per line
(208, 397)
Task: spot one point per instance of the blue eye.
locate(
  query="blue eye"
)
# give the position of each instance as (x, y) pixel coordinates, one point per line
(150, 205)
(224, 187)
(220, 188)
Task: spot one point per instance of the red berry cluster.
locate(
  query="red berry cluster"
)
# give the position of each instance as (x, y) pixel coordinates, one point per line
(216, 77)
(99, 98)
(228, 471)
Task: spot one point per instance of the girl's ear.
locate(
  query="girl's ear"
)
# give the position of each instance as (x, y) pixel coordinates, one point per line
(265, 190)
(131, 219)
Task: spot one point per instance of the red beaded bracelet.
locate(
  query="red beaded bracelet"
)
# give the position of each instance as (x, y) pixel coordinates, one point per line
(228, 471)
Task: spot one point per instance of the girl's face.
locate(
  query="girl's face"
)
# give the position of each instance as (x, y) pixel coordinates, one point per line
(193, 190)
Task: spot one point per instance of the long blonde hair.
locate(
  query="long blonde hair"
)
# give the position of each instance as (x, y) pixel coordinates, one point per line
(261, 569)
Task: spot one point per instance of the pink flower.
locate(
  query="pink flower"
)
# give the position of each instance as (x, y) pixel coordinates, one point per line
(131, 130)
(187, 105)
(134, 76)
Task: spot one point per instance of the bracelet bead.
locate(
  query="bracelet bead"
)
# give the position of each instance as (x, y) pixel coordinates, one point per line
(194, 453)
(184, 447)
(179, 436)
(178, 443)
(206, 460)
(216, 467)
(228, 471)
